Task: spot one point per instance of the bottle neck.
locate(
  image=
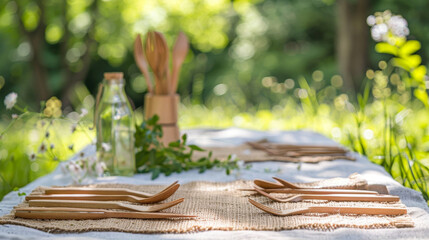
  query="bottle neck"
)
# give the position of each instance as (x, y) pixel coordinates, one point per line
(114, 90)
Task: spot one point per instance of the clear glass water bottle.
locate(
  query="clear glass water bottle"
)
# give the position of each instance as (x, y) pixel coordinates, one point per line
(115, 127)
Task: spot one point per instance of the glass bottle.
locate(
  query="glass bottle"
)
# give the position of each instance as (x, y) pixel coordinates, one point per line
(115, 127)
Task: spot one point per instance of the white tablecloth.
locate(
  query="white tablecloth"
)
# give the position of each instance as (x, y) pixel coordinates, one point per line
(374, 174)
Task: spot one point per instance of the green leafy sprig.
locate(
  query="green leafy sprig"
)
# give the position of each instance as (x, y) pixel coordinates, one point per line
(153, 157)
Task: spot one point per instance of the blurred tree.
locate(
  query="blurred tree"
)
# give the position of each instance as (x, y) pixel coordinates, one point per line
(352, 41)
(246, 53)
(64, 37)
(51, 22)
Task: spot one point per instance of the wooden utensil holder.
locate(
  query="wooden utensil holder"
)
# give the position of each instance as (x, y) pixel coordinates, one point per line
(165, 106)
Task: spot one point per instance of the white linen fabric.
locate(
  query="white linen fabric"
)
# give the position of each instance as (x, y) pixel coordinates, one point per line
(373, 173)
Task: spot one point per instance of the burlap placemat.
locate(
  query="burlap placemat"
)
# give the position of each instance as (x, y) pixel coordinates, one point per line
(220, 206)
(248, 154)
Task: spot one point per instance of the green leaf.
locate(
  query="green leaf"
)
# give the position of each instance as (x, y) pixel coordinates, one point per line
(409, 48)
(386, 48)
(155, 173)
(184, 138)
(153, 120)
(196, 148)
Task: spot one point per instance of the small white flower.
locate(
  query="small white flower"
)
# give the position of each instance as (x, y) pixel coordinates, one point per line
(74, 168)
(10, 100)
(379, 32)
(52, 146)
(398, 26)
(83, 113)
(371, 20)
(32, 156)
(106, 147)
(100, 167)
(14, 116)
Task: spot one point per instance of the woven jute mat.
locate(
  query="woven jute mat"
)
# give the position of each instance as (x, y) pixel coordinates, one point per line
(248, 154)
(221, 206)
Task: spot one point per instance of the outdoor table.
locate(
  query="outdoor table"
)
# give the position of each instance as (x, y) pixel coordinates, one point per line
(374, 174)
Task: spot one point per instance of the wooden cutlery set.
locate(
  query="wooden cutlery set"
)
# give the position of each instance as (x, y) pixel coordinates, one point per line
(161, 99)
(379, 193)
(97, 203)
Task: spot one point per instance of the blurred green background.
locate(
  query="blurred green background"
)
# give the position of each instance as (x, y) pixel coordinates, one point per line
(275, 64)
(61, 48)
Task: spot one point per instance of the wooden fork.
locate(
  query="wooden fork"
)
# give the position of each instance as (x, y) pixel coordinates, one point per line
(93, 197)
(334, 197)
(83, 213)
(312, 191)
(103, 205)
(103, 191)
(332, 210)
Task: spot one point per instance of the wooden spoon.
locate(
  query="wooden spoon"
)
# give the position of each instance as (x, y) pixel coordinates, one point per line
(153, 58)
(93, 197)
(288, 184)
(267, 185)
(162, 64)
(141, 62)
(332, 210)
(103, 205)
(180, 50)
(103, 191)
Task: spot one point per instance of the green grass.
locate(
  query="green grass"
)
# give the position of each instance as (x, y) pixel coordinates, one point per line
(50, 140)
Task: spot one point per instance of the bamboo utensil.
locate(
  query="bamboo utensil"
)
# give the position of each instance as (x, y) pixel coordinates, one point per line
(333, 197)
(313, 191)
(332, 210)
(180, 50)
(285, 186)
(267, 185)
(104, 191)
(297, 150)
(103, 205)
(157, 59)
(164, 69)
(83, 213)
(93, 197)
(288, 184)
(262, 145)
(141, 62)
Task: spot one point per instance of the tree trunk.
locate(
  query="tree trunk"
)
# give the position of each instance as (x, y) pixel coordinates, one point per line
(36, 39)
(352, 42)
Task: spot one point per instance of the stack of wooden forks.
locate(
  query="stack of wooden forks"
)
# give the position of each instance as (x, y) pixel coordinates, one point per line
(377, 193)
